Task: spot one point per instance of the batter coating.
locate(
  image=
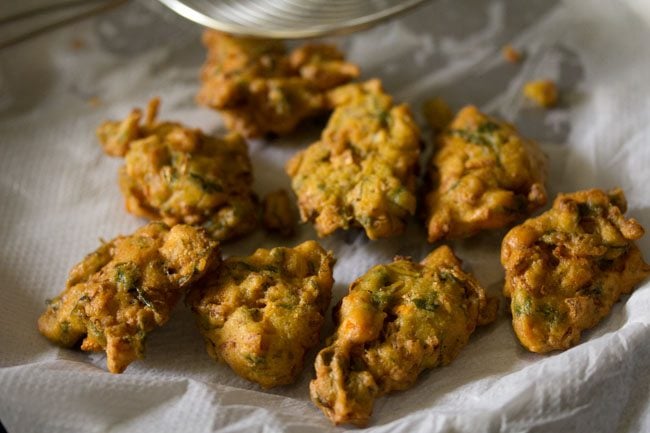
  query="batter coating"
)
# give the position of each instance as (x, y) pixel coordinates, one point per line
(261, 314)
(118, 294)
(483, 175)
(181, 175)
(566, 268)
(260, 89)
(279, 214)
(397, 320)
(363, 170)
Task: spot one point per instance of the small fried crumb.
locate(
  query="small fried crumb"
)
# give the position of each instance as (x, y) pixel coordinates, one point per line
(542, 92)
(279, 215)
(511, 54)
(437, 113)
(95, 101)
(77, 44)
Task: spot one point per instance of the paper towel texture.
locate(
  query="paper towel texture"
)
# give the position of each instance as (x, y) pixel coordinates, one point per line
(59, 195)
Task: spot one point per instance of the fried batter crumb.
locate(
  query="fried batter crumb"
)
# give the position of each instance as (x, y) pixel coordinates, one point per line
(542, 92)
(278, 213)
(78, 44)
(125, 289)
(567, 267)
(261, 89)
(397, 320)
(181, 175)
(511, 54)
(438, 114)
(483, 175)
(95, 101)
(261, 314)
(363, 170)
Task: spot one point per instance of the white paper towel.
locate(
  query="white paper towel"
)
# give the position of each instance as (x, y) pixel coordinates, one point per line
(58, 195)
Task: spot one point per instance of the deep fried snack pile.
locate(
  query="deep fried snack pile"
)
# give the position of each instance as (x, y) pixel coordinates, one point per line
(483, 175)
(261, 314)
(181, 175)
(125, 289)
(566, 268)
(398, 320)
(259, 88)
(363, 170)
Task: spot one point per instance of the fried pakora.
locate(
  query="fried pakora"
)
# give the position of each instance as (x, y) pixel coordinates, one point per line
(126, 288)
(278, 214)
(261, 314)
(566, 268)
(483, 175)
(542, 92)
(397, 320)
(181, 175)
(259, 88)
(363, 170)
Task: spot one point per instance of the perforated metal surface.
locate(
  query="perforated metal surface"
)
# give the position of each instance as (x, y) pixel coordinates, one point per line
(288, 19)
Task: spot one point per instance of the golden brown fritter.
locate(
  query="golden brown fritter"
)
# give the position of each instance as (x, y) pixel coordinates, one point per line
(398, 320)
(278, 214)
(261, 314)
(566, 268)
(483, 176)
(542, 92)
(259, 88)
(125, 289)
(181, 175)
(363, 170)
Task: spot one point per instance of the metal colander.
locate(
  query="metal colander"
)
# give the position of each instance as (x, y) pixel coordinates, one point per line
(288, 19)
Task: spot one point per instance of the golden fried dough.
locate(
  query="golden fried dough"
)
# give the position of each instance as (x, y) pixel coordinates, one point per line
(542, 92)
(566, 268)
(278, 214)
(126, 288)
(259, 88)
(261, 314)
(398, 320)
(363, 170)
(181, 175)
(483, 175)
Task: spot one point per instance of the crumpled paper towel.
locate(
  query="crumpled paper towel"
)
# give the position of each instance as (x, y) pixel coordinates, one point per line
(59, 195)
